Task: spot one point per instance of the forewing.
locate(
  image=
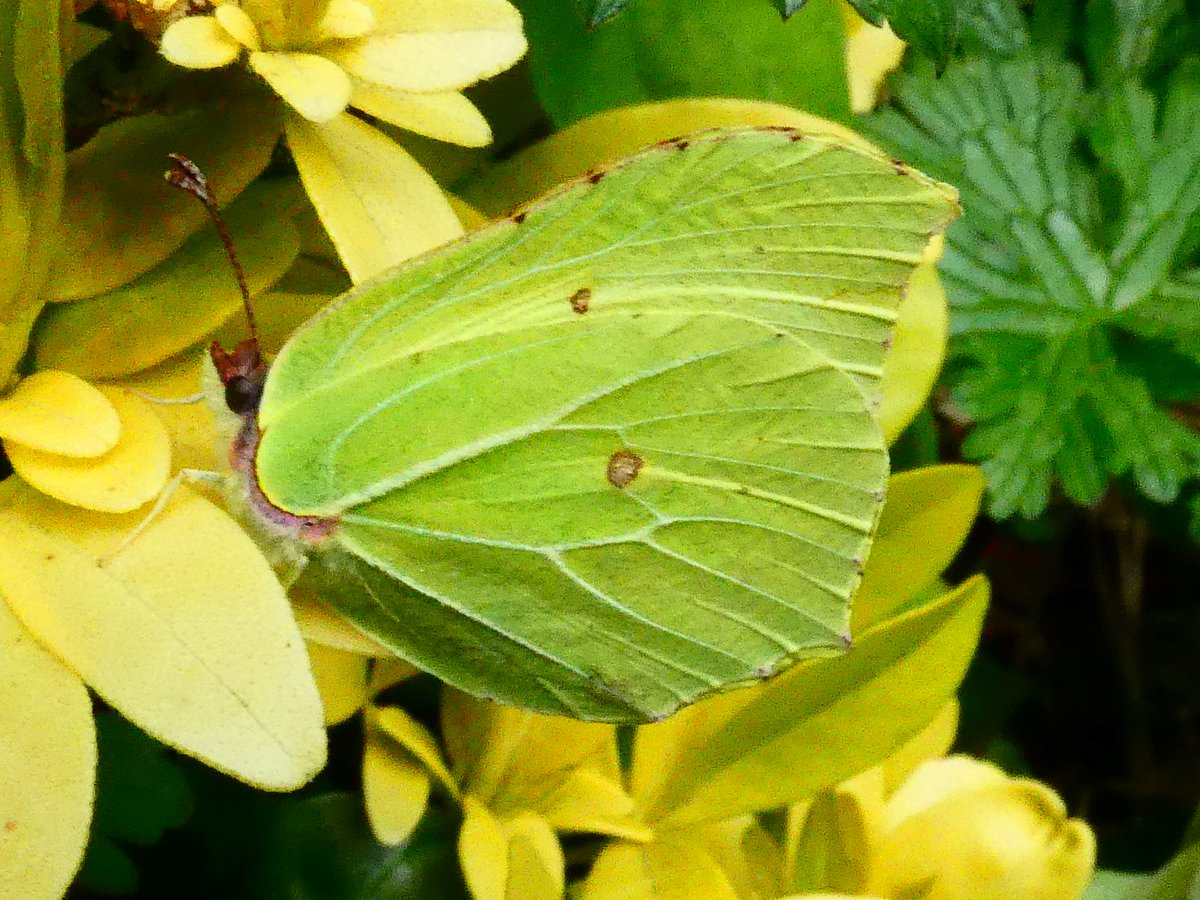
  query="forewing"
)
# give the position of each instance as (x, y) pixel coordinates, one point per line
(617, 451)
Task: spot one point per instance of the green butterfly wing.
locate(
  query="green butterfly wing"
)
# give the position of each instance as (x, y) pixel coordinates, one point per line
(618, 451)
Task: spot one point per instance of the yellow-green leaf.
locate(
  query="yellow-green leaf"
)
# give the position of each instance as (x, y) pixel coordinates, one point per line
(47, 767)
(379, 206)
(185, 631)
(918, 350)
(56, 412)
(813, 726)
(130, 474)
(176, 304)
(121, 219)
(926, 518)
(32, 163)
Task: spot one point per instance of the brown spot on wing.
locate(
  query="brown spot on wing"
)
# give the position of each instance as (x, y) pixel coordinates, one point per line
(623, 468)
(518, 218)
(581, 300)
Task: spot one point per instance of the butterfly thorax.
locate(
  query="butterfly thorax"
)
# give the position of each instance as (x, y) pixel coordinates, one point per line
(243, 372)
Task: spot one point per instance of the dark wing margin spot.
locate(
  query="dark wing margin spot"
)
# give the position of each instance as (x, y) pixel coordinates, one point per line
(581, 300)
(518, 218)
(623, 467)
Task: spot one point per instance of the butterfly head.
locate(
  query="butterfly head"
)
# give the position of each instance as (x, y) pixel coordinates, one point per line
(243, 372)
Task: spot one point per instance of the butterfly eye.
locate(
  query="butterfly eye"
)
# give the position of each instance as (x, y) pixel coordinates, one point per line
(242, 394)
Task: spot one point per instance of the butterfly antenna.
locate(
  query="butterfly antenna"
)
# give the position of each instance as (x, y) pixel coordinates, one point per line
(186, 175)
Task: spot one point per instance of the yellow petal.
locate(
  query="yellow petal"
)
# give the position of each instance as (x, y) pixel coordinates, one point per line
(341, 679)
(47, 767)
(379, 206)
(870, 54)
(239, 25)
(395, 787)
(186, 631)
(344, 20)
(588, 801)
(199, 42)
(435, 45)
(321, 624)
(938, 780)
(672, 869)
(536, 869)
(57, 412)
(515, 760)
(312, 85)
(483, 852)
(918, 349)
(444, 115)
(124, 478)
(415, 738)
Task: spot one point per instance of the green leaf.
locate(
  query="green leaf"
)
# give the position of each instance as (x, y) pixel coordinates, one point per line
(640, 463)
(321, 848)
(140, 795)
(1122, 35)
(931, 26)
(717, 49)
(1043, 284)
(816, 725)
(32, 163)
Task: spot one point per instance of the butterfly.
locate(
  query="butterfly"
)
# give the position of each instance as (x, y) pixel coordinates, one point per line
(617, 451)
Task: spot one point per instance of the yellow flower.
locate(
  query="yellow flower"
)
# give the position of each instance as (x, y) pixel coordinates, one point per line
(960, 829)
(955, 829)
(518, 777)
(402, 61)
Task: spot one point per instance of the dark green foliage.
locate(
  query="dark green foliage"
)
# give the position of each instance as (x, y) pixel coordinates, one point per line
(660, 49)
(141, 794)
(1078, 243)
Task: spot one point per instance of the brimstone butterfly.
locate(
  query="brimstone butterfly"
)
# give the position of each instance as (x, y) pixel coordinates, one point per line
(617, 451)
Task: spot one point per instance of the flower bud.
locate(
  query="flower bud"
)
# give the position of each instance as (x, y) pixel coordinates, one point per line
(960, 829)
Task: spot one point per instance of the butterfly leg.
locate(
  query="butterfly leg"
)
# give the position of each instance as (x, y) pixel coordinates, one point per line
(191, 476)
